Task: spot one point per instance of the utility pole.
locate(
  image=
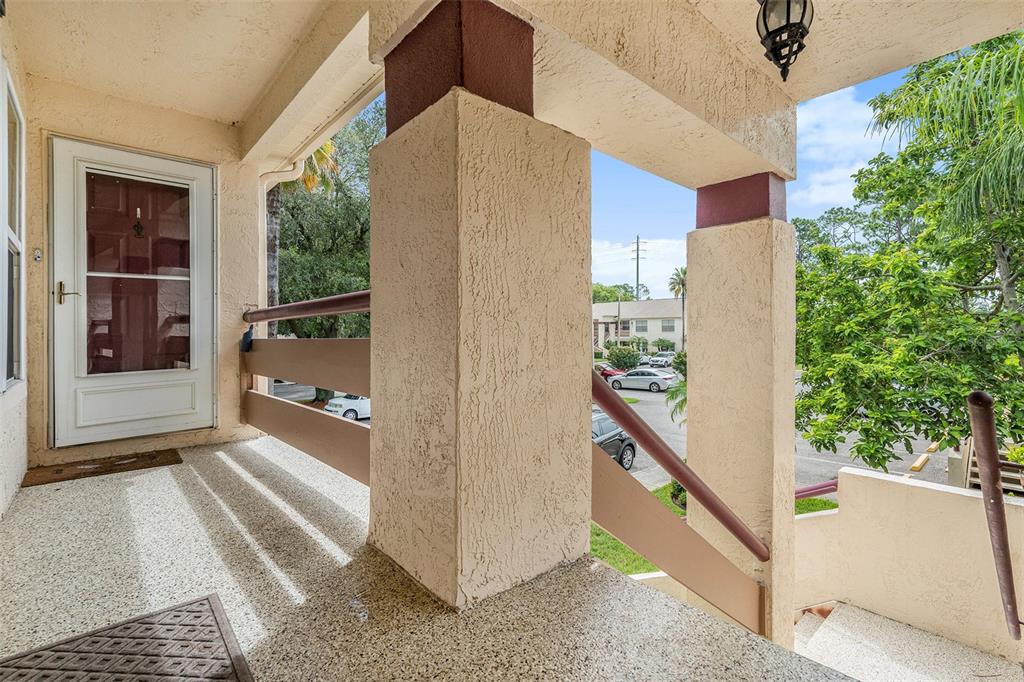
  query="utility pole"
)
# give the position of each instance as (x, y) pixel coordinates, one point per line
(638, 256)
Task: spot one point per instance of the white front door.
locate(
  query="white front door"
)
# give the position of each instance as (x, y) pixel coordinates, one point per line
(133, 297)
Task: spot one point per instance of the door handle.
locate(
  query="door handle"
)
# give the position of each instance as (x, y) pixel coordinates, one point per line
(61, 293)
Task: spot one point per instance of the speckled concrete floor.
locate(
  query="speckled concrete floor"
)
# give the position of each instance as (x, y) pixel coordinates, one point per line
(280, 538)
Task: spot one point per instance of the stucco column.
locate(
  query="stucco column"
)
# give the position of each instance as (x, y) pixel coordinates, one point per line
(480, 339)
(740, 373)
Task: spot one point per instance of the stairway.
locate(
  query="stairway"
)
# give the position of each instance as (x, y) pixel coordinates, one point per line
(870, 647)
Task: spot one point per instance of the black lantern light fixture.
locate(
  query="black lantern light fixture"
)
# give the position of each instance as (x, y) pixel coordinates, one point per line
(783, 25)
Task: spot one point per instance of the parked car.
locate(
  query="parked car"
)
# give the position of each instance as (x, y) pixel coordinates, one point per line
(650, 379)
(663, 359)
(606, 370)
(349, 406)
(613, 440)
(645, 360)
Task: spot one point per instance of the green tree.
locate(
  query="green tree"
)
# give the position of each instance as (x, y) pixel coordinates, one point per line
(325, 232)
(909, 302)
(605, 293)
(317, 171)
(623, 357)
(664, 344)
(677, 285)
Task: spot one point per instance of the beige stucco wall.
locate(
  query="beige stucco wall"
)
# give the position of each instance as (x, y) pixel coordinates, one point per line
(13, 402)
(62, 109)
(741, 348)
(480, 465)
(913, 551)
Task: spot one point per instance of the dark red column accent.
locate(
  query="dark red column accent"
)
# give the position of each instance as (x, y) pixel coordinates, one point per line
(469, 43)
(733, 201)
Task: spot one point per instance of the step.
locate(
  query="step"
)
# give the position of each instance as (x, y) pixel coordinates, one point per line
(870, 647)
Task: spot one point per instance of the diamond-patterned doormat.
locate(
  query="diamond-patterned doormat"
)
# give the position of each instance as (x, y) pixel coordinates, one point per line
(191, 641)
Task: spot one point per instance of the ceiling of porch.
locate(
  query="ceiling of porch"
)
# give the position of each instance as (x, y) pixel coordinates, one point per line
(208, 58)
(851, 42)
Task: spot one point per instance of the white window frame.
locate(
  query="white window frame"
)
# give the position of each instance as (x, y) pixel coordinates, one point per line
(668, 331)
(14, 240)
(636, 326)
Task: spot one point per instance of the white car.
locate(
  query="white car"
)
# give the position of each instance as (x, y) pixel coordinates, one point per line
(648, 379)
(349, 406)
(662, 359)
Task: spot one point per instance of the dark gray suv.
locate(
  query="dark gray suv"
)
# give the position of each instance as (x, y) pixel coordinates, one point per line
(612, 439)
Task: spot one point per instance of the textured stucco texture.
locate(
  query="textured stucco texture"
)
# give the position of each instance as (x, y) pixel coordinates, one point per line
(14, 401)
(741, 345)
(480, 464)
(913, 551)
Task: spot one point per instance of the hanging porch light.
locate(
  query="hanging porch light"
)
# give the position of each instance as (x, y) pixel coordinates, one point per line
(783, 25)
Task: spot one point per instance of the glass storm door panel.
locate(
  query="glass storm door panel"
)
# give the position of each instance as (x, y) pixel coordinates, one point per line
(133, 323)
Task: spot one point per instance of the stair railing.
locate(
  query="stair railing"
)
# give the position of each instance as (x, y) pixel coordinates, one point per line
(986, 449)
(630, 422)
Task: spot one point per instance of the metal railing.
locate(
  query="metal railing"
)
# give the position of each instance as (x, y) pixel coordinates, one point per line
(823, 488)
(355, 302)
(986, 449)
(630, 422)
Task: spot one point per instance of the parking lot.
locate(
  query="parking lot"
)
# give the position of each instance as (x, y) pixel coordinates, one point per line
(811, 466)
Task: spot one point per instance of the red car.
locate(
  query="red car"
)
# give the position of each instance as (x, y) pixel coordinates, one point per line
(606, 370)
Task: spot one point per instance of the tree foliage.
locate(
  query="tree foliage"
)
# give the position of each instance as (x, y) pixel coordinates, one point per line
(623, 357)
(610, 293)
(325, 230)
(908, 302)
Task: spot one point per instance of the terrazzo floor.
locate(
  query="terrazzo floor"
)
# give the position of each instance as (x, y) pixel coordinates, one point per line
(280, 538)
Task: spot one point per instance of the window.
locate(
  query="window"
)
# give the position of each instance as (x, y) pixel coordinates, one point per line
(640, 325)
(11, 267)
(668, 325)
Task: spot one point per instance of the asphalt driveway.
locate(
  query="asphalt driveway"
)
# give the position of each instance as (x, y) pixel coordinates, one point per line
(811, 466)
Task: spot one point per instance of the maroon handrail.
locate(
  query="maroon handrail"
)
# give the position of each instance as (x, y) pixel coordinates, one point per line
(822, 488)
(986, 451)
(630, 422)
(355, 302)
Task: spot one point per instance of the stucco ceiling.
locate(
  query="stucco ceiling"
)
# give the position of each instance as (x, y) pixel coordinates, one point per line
(855, 40)
(212, 58)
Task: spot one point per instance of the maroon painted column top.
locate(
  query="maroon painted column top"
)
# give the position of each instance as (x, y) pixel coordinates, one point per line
(733, 201)
(468, 43)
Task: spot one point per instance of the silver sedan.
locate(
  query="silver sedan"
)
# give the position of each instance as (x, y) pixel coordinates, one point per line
(648, 379)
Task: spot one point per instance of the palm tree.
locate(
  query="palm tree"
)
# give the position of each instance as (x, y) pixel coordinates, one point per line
(317, 171)
(971, 106)
(677, 285)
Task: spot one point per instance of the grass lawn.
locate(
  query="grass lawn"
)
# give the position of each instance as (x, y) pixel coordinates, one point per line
(605, 547)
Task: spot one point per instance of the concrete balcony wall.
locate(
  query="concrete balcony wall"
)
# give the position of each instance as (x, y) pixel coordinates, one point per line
(913, 551)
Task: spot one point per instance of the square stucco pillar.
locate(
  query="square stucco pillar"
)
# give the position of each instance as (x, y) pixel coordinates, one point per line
(740, 382)
(480, 339)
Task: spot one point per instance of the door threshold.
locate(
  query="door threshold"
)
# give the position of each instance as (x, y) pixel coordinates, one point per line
(56, 473)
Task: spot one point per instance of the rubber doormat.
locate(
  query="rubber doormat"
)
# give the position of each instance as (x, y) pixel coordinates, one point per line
(191, 641)
(56, 473)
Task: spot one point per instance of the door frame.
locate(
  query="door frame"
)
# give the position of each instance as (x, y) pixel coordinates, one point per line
(51, 279)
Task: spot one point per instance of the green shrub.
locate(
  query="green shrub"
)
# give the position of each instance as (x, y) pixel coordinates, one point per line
(598, 355)
(664, 344)
(679, 364)
(623, 358)
(678, 494)
(609, 344)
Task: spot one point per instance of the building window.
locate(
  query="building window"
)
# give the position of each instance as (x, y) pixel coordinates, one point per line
(11, 267)
(668, 325)
(640, 325)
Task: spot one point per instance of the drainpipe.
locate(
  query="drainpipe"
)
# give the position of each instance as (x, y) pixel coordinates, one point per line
(268, 181)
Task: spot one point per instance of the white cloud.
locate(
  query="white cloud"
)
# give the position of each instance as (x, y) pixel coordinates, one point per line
(834, 141)
(612, 264)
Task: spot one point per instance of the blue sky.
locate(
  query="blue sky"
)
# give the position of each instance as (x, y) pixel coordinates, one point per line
(833, 142)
